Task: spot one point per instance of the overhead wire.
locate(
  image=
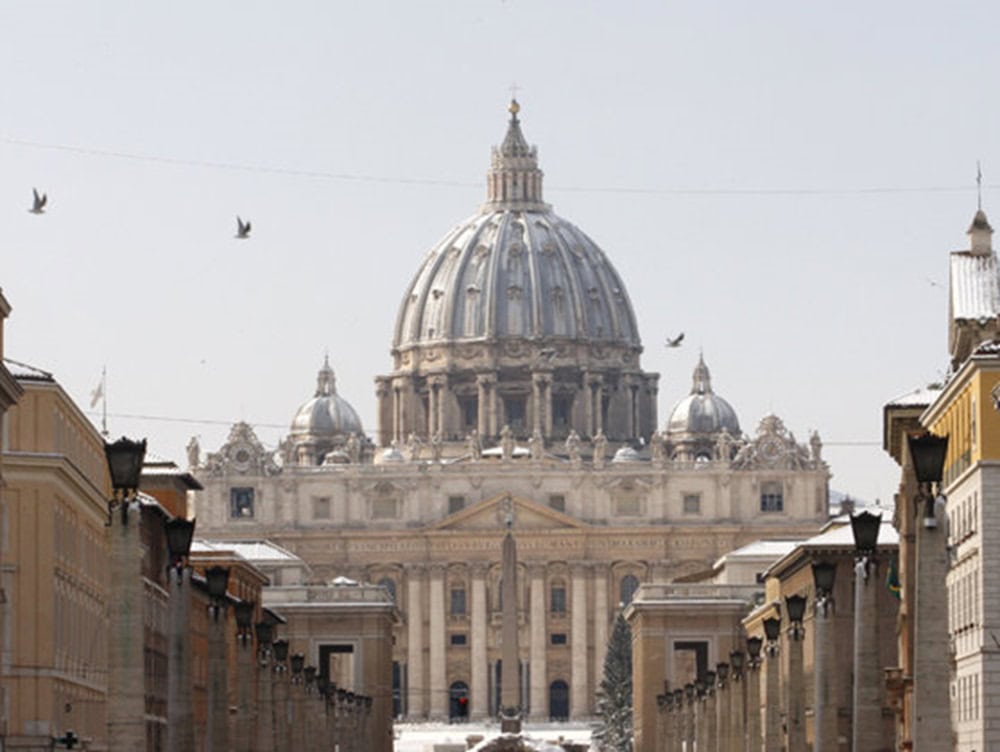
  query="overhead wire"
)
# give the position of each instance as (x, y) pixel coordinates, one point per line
(444, 182)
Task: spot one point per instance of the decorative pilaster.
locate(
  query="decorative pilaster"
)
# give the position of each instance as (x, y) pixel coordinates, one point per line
(180, 699)
(868, 686)
(794, 700)
(486, 387)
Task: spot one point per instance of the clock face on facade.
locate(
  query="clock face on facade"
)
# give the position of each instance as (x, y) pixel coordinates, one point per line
(241, 456)
(770, 449)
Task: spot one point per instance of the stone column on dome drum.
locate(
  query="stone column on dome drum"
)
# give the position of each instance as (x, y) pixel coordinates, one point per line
(438, 689)
(415, 643)
(597, 398)
(479, 691)
(432, 408)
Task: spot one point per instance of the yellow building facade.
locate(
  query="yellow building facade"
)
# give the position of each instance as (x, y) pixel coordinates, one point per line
(54, 559)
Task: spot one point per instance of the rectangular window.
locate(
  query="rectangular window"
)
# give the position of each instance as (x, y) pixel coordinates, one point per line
(771, 497)
(458, 639)
(321, 508)
(470, 412)
(456, 504)
(557, 599)
(692, 503)
(458, 602)
(558, 638)
(241, 502)
(557, 502)
(513, 408)
(385, 509)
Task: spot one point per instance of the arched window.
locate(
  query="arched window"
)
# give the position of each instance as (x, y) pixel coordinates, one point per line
(629, 584)
(390, 585)
(458, 705)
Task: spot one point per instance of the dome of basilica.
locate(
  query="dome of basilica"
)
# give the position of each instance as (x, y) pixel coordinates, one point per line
(327, 417)
(702, 412)
(515, 270)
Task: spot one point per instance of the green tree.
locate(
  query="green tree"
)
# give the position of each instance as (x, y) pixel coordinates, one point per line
(614, 698)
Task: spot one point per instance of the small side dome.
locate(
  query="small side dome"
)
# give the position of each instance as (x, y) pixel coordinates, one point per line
(323, 423)
(626, 454)
(702, 413)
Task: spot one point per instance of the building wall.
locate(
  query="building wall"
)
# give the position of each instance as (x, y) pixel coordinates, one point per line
(430, 529)
(54, 555)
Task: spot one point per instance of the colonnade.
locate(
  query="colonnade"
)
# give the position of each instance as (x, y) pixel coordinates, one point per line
(434, 664)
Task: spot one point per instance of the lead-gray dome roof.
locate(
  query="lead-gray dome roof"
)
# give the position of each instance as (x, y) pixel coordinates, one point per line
(702, 411)
(515, 269)
(327, 414)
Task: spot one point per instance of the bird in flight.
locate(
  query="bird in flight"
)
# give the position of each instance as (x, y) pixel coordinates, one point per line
(676, 341)
(242, 229)
(38, 205)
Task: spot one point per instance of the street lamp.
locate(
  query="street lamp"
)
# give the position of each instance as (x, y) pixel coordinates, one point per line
(126, 662)
(928, 452)
(179, 535)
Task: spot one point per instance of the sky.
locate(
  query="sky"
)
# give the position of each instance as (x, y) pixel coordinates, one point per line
(781, 181)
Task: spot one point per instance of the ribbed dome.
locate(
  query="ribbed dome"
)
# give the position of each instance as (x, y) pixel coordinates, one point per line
(702, 412)
(515, 269)
(327, 415)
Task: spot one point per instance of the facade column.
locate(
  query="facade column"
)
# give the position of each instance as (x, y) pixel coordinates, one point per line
(735, 722)
(598, 397)
(416, 681)
(537, 644)
(180, 698)
(438, 688)
(432, 408)
(825, 733)
(599, 574)
(579, 694)
(772, 708)
(753, 736)
(383, 414)
(217, 726)
(483, 405)
(794, 700)
(868, 686)
(587, 396)
(931, 648)
(264, 721)
(479, 670)
(126, 680)
(537, 388)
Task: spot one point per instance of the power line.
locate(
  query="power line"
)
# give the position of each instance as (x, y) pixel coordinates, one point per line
(401, 180)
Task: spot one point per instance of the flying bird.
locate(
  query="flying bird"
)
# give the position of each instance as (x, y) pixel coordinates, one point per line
(38, 205)
(676, 341)
(242, 229)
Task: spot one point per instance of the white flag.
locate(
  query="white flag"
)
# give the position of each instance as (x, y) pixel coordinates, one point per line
(98, 393)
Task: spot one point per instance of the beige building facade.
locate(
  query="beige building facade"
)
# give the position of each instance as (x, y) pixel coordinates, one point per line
(516, 384)
(55, 576)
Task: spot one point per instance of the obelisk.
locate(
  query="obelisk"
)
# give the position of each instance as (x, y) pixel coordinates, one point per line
(510, 675)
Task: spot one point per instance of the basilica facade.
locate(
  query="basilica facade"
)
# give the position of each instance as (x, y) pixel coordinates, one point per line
(516, 394)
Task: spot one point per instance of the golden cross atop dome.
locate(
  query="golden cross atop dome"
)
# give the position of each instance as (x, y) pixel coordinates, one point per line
(514, 107)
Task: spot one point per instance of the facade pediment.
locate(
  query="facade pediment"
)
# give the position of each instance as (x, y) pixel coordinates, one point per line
(491, 514)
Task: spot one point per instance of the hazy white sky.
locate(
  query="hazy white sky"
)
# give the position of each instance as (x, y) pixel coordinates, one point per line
(782, 181)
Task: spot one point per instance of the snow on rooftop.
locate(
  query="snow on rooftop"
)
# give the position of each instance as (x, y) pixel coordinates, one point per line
(975, 287)
(920, 397)
(23, 371)
(256, 550)
(838, 533)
